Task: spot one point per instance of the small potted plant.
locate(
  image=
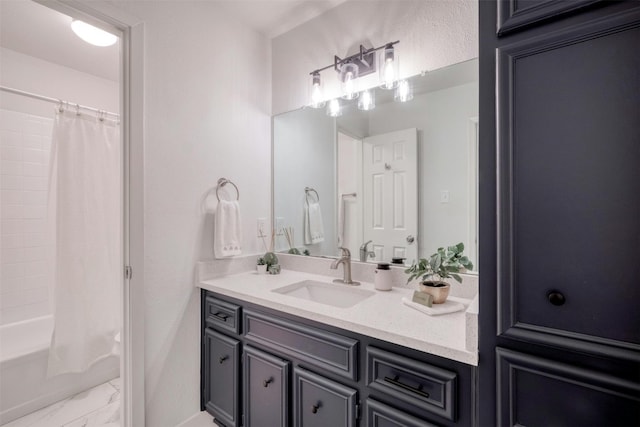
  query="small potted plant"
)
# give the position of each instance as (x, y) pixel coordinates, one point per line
(444, 264)
(261, 266)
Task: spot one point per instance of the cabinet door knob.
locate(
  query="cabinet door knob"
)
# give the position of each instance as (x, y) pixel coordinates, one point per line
(556, 298)
(223, 358)
(314, 408)
(267, 382)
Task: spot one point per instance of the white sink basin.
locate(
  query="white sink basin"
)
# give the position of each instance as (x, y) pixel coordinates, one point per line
(342, 296)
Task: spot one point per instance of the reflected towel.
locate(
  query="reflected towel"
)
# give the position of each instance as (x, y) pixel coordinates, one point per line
(313, 227)
(228, 230)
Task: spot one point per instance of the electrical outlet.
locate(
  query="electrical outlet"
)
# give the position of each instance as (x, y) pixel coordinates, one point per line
(444, 196)
(279, 226)
(262, 227)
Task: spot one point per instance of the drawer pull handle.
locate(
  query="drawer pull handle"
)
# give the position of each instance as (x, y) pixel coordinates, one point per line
(223, 358)
(397, 383)
(314, 408)
(267, 382)
(556, 298)
(221, 316)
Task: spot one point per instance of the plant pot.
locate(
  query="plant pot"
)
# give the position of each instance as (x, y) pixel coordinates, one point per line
(261, 269)
(438, 290)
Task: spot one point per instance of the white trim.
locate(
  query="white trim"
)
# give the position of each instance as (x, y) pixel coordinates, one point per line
(472, 190)
(131, 31)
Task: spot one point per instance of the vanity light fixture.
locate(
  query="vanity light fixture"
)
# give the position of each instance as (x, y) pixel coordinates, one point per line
(351, 68)
(348, 76)
(317, 97)
(334, 109)
(93, 35)
(389, 67)
(367, 100)
(404, 91)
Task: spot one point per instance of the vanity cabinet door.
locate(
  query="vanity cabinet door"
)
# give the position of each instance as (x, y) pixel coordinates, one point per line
(320, 402)
(222, 377)
(266, 389)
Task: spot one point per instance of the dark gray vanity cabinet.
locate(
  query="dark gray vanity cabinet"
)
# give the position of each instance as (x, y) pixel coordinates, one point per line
(296, 372)
(559, 213)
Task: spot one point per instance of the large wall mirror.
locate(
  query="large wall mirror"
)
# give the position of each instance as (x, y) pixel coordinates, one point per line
(401, 178)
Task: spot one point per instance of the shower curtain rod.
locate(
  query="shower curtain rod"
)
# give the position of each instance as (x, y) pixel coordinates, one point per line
(58, 101)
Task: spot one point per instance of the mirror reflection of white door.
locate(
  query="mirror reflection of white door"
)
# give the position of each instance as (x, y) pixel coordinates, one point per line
(390, 187)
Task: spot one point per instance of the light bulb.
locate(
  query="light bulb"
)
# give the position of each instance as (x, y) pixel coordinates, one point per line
(317, 100)
(93, 35)
(404, 92)
(348, 76)
(333, 109)
(389, 69)
(389, 75)
(367, 100)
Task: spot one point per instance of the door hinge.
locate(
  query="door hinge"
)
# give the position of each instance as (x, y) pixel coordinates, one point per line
(128, 272)
(358, 412)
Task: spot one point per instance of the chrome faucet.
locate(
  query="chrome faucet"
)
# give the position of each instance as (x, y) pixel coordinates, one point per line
(345, 260)
(365, 252)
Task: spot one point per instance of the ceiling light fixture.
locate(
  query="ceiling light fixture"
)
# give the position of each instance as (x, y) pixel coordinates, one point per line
(93, 35)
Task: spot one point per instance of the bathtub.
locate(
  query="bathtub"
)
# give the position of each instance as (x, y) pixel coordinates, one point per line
(24, 387)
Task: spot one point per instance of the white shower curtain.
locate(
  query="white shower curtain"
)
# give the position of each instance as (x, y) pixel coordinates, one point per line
(85, 220)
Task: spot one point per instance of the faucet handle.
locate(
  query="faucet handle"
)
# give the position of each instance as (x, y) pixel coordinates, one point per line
(346, 253)
(364, 245)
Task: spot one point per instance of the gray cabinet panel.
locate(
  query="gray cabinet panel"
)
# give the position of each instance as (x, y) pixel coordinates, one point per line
(320, 402)
(534, 391)
(515, 14)
(381, 415)
(420, 384)
(569, 179)
(325, 350)
(266, 389)
(222, 382)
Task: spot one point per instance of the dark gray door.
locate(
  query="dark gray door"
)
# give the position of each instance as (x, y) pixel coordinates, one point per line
(222, 377)
(266, 389)
(320, 402)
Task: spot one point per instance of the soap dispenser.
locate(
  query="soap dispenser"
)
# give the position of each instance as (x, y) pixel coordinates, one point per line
(382, 279)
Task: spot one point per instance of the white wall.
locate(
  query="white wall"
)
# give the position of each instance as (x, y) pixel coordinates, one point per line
(432, 34)
(25, 141)
(207, 115)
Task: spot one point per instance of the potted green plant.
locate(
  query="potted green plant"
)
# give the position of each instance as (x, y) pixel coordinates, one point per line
(444, 264)
(261, 266)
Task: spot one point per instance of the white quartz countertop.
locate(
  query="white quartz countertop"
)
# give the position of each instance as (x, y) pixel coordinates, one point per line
(381, 316)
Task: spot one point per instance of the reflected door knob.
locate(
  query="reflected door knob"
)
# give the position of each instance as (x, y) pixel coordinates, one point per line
(556, 298)
(410, 239)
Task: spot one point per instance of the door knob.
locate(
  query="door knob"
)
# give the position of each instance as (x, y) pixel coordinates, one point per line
(410, 239)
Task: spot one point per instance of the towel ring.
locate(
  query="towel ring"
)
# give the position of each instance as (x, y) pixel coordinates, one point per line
(307, 190)
(224, 181)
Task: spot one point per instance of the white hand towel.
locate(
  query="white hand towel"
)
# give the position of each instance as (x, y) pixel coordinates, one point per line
(313, 227)
(227, 237)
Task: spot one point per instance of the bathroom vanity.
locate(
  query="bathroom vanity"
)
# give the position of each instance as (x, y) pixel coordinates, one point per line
(273, 355)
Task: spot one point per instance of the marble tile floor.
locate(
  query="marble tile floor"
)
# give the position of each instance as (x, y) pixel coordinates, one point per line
(96, 407)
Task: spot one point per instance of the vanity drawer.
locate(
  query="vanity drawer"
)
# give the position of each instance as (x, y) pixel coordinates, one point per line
(381, 415)
(320, 402)
(222, 314)
(335, 353)
(420, 384)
